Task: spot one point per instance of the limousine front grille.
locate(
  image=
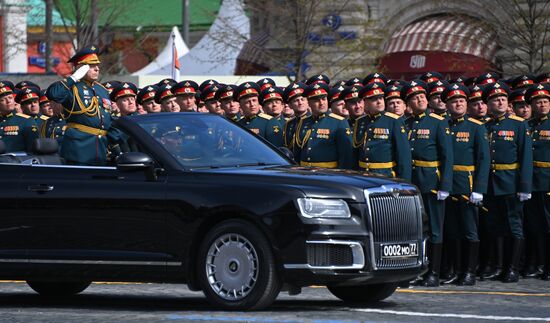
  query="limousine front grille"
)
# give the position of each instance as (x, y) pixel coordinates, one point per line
(395, 214)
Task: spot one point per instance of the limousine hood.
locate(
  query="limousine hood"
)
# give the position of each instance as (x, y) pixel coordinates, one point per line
(314, 182)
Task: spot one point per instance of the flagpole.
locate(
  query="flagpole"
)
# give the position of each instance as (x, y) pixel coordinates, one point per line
(175, 63)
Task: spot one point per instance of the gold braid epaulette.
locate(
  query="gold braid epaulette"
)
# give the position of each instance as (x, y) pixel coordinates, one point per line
(92, 110)
(43, 129)
(355, 143)
(297, 135)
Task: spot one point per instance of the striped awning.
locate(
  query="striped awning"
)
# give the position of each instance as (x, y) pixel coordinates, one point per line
(454, 34)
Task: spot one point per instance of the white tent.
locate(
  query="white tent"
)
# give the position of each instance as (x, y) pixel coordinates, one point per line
(216, 53)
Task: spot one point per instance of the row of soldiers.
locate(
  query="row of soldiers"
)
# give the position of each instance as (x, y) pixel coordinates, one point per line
(466, 143)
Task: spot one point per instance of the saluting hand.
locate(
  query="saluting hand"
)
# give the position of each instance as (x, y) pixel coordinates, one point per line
(80, 72)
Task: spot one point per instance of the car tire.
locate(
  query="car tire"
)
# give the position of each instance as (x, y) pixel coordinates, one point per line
(364, 293)
(236, 267)
(58, 289)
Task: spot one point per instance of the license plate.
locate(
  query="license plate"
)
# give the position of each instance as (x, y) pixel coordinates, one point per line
(399, 250)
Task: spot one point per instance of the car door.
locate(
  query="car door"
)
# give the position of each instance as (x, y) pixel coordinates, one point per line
(13, 235)
(96, 220)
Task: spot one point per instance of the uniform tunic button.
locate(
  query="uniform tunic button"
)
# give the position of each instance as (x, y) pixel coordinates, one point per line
(99, 136)
(309, 148)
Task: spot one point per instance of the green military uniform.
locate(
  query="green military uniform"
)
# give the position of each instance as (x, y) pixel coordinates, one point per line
(324, 142)
(432, 160)
(470, 174)
(54, 128)
(264, 126)
(539, 206)
(18, 132)
(87, 110)
(511, 175)
(292, 91)
(511, 171)
(382, 145)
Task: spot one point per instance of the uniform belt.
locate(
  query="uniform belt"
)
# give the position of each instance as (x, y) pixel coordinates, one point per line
(425, 163)
(86, 129)
(541, 164)
(366, 165)
(505, 166)
(464, 168)
(320, 164)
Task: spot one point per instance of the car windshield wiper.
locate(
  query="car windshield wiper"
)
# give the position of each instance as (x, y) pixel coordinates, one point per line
(256, 164)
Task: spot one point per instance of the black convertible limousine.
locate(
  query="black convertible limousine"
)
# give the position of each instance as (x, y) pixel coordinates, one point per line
(196, 199)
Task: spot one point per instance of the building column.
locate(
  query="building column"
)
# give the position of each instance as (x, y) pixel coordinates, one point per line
(14, 26)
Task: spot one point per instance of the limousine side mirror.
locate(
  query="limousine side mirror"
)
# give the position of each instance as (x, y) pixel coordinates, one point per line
(136, 161)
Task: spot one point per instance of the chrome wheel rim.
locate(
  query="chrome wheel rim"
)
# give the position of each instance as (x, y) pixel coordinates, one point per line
(232, 266)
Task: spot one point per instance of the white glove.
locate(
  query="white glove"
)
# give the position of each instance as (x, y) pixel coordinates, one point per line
(442, 195)
(476, 198)
(80, 72)
(524, 196)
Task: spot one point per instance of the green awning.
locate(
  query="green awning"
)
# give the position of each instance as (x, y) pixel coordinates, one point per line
(146, 13)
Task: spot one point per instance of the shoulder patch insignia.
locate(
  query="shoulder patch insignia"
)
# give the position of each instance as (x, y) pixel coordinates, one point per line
(335, 116)
(436, 116)
(516, 118)
(265, 116)
(43, 117)
(23, 115)
(475, 121)
(392, 115)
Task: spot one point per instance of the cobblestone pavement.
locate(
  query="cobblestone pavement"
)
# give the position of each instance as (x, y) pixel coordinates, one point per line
(529, 300)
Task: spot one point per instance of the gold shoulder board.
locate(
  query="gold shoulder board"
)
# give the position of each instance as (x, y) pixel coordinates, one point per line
(516, 118)
(335, 116)
(474, 120)
(392, 115)
(265, 116)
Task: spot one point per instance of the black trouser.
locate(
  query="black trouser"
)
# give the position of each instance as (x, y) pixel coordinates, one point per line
(436, 215)
(505, 216)
(461, 220)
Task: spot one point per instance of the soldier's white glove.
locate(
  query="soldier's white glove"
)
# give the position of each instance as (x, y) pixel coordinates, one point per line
(80, 72)
(442, 195)
(524, 196)
(476, 198)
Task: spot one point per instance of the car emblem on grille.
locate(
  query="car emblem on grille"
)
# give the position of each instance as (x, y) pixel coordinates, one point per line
(395, 193)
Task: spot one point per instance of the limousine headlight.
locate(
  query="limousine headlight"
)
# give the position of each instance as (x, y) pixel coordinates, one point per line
(323, 208)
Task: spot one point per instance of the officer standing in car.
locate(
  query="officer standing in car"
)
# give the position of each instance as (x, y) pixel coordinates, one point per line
(86, 109)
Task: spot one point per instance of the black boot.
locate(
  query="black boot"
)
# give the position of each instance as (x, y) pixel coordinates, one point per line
(455, 256)
(496, 273)
(512, 274)
(431, 279)
(469, 278)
